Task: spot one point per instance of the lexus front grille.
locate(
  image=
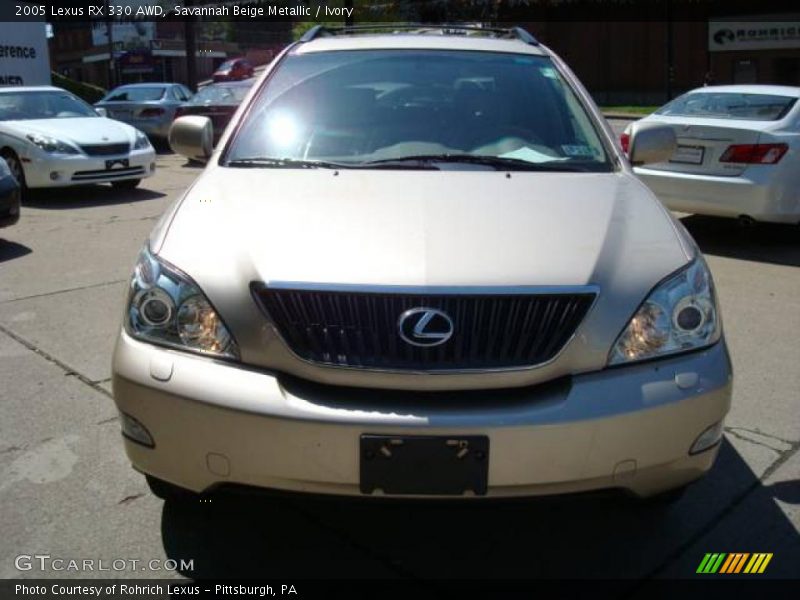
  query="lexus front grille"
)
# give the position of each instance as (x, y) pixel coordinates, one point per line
(361, 328)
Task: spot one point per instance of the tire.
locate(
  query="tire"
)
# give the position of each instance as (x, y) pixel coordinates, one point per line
(126, 184)
(15, 166)
(168, 491)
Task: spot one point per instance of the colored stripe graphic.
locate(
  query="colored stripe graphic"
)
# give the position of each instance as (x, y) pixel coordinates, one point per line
(703, 563)
(720, 562)
(740, 564)
(726, 565)
(755, 562)
(730, 564)
(711, 563)
(717, 563)
(765, 563)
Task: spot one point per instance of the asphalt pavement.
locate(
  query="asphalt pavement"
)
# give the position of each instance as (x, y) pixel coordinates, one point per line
(66, 488)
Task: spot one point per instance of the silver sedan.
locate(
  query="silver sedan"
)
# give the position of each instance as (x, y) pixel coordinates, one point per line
(737, 153)
(150, 107)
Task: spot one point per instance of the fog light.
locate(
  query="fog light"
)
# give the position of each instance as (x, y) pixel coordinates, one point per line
(708, 439)
(135, 431)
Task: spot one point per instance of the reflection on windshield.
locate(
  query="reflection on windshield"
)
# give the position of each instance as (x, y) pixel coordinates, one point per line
(42, 105)
(362, 107)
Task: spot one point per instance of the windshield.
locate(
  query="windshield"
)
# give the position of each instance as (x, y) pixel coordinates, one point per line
(360, 107)
(219, 94)
(42, 105)
(727, 105)
(226, 66)
(135, 94)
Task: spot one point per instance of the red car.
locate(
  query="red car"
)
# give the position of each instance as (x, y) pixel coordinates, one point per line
(218, 102)
(235, 69)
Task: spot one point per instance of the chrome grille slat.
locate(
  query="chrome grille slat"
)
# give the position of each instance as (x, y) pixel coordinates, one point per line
(359, 328)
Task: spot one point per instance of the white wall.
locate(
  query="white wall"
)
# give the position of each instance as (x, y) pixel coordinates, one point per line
(24, 59)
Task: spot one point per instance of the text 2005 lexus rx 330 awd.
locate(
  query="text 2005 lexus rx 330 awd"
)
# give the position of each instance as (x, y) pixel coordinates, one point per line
(418, 265)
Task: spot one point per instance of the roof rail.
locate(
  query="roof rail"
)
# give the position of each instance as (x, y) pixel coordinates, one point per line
(517, 33)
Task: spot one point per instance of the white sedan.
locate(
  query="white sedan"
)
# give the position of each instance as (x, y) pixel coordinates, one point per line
(738, 153)
(51, 138)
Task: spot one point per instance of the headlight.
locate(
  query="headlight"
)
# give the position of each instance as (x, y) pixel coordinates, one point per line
(141, 141)
(165, 307)
(50, 144)
(679, 315)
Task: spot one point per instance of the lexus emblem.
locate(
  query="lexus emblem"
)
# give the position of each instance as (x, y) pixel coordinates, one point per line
(425, 327)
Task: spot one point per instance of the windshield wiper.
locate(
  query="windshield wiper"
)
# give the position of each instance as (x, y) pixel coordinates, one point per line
(286, 163)
(498, 162)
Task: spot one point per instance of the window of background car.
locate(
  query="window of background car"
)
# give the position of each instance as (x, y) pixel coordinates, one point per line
(42, 105)
(726, 105)
(221, 94)
(358, 107)
(136, 94)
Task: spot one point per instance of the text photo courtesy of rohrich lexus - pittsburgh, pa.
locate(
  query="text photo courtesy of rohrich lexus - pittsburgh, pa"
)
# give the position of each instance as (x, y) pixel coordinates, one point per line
(407, 298)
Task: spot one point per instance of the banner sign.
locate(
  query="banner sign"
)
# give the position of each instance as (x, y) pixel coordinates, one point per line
(725, 36)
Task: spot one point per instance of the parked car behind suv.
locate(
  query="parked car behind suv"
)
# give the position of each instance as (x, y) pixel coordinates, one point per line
(417, 265)
(9, 196)
(737, 155)
(218, 102)
(149, 107)
(51, 138)
(235, 69)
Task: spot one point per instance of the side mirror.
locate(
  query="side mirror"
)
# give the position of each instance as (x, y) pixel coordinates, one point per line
(192, 137)
(651, 143)
(101, 112)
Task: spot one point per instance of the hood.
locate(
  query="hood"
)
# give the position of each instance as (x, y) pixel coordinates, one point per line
(424, 228)
(80, 131)
(420, 228)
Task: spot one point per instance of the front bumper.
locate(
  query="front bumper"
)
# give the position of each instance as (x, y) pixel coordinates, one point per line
(81, 169)
(757, 193)
(215, 422)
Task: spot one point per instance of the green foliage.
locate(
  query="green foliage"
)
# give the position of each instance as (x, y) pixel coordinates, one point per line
(632, 110)
(90, 93)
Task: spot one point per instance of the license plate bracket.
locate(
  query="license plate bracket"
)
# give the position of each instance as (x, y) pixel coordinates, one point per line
(122, 162)
(424, 465)
(688, 155)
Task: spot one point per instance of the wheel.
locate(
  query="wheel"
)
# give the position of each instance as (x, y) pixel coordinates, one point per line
(168, 491)
(15, 166)
(126, 184)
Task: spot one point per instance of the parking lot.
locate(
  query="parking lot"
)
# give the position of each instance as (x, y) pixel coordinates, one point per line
(67, 490)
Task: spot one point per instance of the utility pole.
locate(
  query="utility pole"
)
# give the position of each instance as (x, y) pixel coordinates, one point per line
(348, 20)
(670, 52)
(110, 36)
(191, 51)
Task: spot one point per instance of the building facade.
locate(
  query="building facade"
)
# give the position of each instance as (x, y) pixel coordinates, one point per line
(648, 62)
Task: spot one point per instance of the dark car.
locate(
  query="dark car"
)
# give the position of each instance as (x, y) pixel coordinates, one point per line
(9, 196)
(235, 69)
(218, 102)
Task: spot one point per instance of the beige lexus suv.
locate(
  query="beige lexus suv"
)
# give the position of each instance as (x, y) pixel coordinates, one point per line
(418, 265)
